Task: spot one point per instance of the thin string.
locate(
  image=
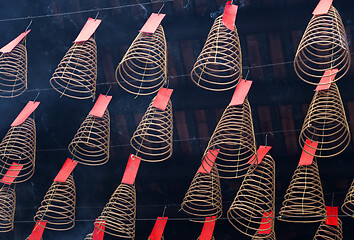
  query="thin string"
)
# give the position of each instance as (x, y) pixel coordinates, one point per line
(82, 11)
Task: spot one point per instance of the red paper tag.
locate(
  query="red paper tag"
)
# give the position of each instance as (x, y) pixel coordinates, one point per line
(208, 228)
(229, 16)
(98, 233)
(332, 216)
(266, 223)
(12, 173)
(38, 230)
(24, 114)
(131, 169)
(309, 150)
(89, 28)
(241, 92)
(100, 106)
(152, 23)
(162, 98)
(66, 170)
(261, 152)
(158, 229)
(327, 79)
(208, 161)
(11, 45)
(322, 7)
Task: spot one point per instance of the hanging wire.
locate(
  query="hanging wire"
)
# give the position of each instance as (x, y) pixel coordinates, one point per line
(28, 25)
(266, 138)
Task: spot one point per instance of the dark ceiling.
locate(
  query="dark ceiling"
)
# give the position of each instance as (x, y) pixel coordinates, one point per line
(269, 31)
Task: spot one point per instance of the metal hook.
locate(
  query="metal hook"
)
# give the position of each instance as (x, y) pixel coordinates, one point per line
(161, 8)
(37, 96)
(164, 210)
(29, 25)
(98, 12)
(108, 89)
(248, 72)
(266, 138)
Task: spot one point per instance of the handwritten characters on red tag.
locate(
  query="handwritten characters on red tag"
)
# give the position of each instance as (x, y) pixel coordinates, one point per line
(38, 230)
(266, 223)
(241, 92)
(332, 216)
(208, 228)
(25, 113)
(328, 77)
(261, 152)
(229, 16)
(98, 232)
(152, 23)
(66, 170)
(208, 161)
(11, 45)
(11, 173)
(100, 106)
(158, 229)
(308, 152)
(131, 169)
(162, 98)
(322, 7)
(89, 28)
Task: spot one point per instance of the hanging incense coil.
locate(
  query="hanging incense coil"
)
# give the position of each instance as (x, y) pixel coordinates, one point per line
(90, 145)
(153, 138)
(324, 46)
(348, 205)
(143, 69)
(19, 146)
(329, 232)
(234, 137)
(76, 73)
(303, 201)
(254, 198)
(219, 65)
(58, 206)
(7, 208)
(270, 236)
(326, 124)
(13, 72)
(203, 198)
(119, 213)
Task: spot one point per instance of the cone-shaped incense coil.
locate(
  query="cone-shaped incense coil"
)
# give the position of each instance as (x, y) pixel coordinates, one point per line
(76, 73)
(234, 137)
(58, 206)
(219, 65)
(13, 72)
(203, 198)
(304, 201)
(90, 145)
(326, 124)
(270, 236)
(19, 146)
(143, 69)
(254, 199)
(7, 208)
(329, 232)
(324, 46)
(348, 205)
(153, 138)
(119, 213)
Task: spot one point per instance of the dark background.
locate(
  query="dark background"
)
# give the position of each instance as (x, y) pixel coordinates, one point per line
(269, 31)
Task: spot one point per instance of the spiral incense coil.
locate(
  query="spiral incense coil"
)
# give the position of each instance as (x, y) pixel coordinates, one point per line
(324, 46)
(234, 137)
(7, 208)
(203, 198)
(143, 69)
(76, 73)
(219, 65)
(153, 138)
(326, 124)
(58, 206)
(119, 213)
(13, 72)
(255, 197)
(304, 201)
(270, 236)
(329, 232)
(19, 146)
(348, 205)
(90, 145)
